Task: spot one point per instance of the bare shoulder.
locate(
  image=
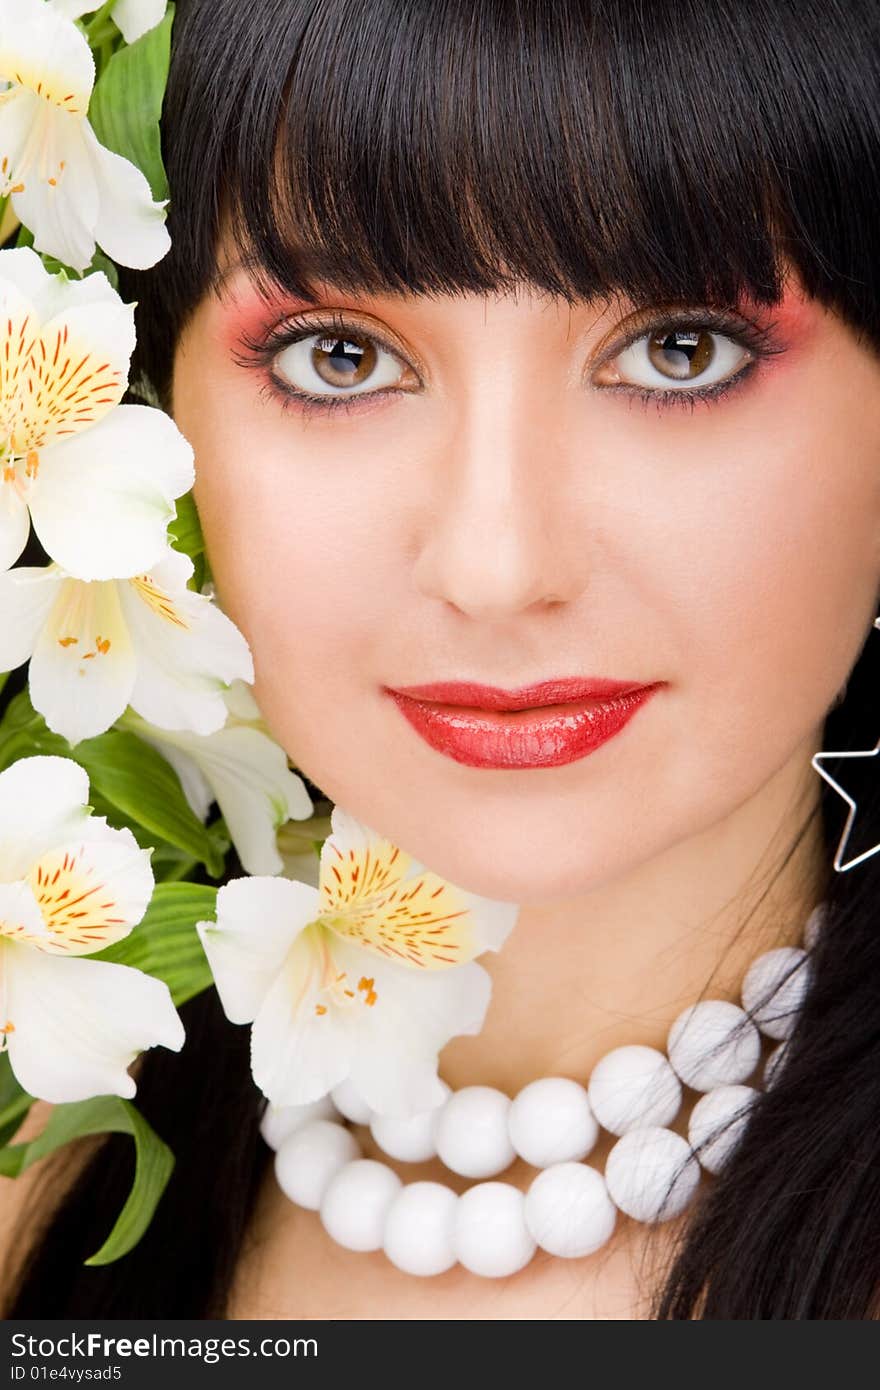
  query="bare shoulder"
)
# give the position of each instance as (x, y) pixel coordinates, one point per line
(17, 1194)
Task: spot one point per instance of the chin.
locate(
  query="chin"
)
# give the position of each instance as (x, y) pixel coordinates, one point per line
(517, 871)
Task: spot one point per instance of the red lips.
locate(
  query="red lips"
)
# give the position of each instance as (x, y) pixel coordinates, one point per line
(541, 725)
(554, 692)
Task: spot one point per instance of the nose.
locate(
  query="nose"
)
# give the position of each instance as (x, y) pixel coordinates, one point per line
(501, 536)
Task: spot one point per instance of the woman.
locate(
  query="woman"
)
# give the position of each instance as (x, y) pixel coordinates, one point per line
(604, 282)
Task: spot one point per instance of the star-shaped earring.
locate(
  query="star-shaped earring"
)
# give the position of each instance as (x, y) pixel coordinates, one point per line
(851, 814)
(817, 760)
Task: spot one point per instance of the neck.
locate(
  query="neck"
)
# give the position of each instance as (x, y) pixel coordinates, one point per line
(579, 977)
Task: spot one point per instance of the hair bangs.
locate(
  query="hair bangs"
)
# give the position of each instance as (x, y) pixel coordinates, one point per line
(662, 154)
(457, 147)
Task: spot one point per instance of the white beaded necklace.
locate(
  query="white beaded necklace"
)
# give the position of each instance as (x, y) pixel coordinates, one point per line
(570, 1209)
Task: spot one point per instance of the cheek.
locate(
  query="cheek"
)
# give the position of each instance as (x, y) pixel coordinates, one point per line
(780, 587)
(297, 560)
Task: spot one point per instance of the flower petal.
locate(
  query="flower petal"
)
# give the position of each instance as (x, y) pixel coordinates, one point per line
(57, 195)
(136, 17)
(43, 50)
(254, 788)
(42, 803)
(92, 892)
(15, 523)
(22, 269)
(241, 703)
(130, 225)
(20, 111)
(187, 649)
(73, 9)
(357, 864)
(258, 920)
(26, 598)
(52, 295)
(103, 500)
(80, 373)
(20, 917)
(394, 1062)
(298, 1052)
(374, 895)
(79, 1024)
(492, 918)
(18, 275)
(304, 867)
(83, 668)
(192, 779)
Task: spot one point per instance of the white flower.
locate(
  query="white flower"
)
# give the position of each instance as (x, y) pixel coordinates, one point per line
(296, 842)
(97, 647)
(69, 886)
(365, 978)
(98, 478)
(64, 184)
(244, 770)
(131, 17)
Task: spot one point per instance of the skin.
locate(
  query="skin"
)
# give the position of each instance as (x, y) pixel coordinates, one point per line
(511, 516)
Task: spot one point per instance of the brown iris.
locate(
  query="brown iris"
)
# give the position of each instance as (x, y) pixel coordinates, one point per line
(342, 361)
(682, 353)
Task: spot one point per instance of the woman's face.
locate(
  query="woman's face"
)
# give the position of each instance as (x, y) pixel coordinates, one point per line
(491, 501)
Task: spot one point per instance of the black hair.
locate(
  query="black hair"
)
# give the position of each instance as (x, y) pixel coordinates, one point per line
(686, 153)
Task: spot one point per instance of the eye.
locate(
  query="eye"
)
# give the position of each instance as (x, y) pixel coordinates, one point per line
(671, 357)
(688, 357)
(333, 363)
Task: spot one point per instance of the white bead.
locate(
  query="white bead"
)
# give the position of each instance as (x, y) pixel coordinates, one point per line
(723, 1112)
(774, 988)
(350, 1103)
(418, 1228)
(489, 1235)
(651, 1174)
(411, 1140)
(773, 1063)
(568, 1210)
(310, 1157)
(550, 1121)
(713, 1043)
(632, 1087)
(356, 1201)
(280, 1121)
(814, 924)
(471, 1132)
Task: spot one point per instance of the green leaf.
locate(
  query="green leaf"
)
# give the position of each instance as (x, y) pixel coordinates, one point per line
(126, 102)
(14, 1101)
(165, 942)
(186, 529)
(23, 733)
(102, 262)
(130, 783)
(154, 1162)
(140, 783)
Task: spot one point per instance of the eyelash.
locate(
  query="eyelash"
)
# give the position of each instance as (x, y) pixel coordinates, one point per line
(260, 353)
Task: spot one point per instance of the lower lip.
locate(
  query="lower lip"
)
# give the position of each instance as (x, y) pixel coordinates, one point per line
(545, 737)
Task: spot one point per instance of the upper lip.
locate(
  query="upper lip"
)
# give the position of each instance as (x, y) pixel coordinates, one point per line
(562, 690)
